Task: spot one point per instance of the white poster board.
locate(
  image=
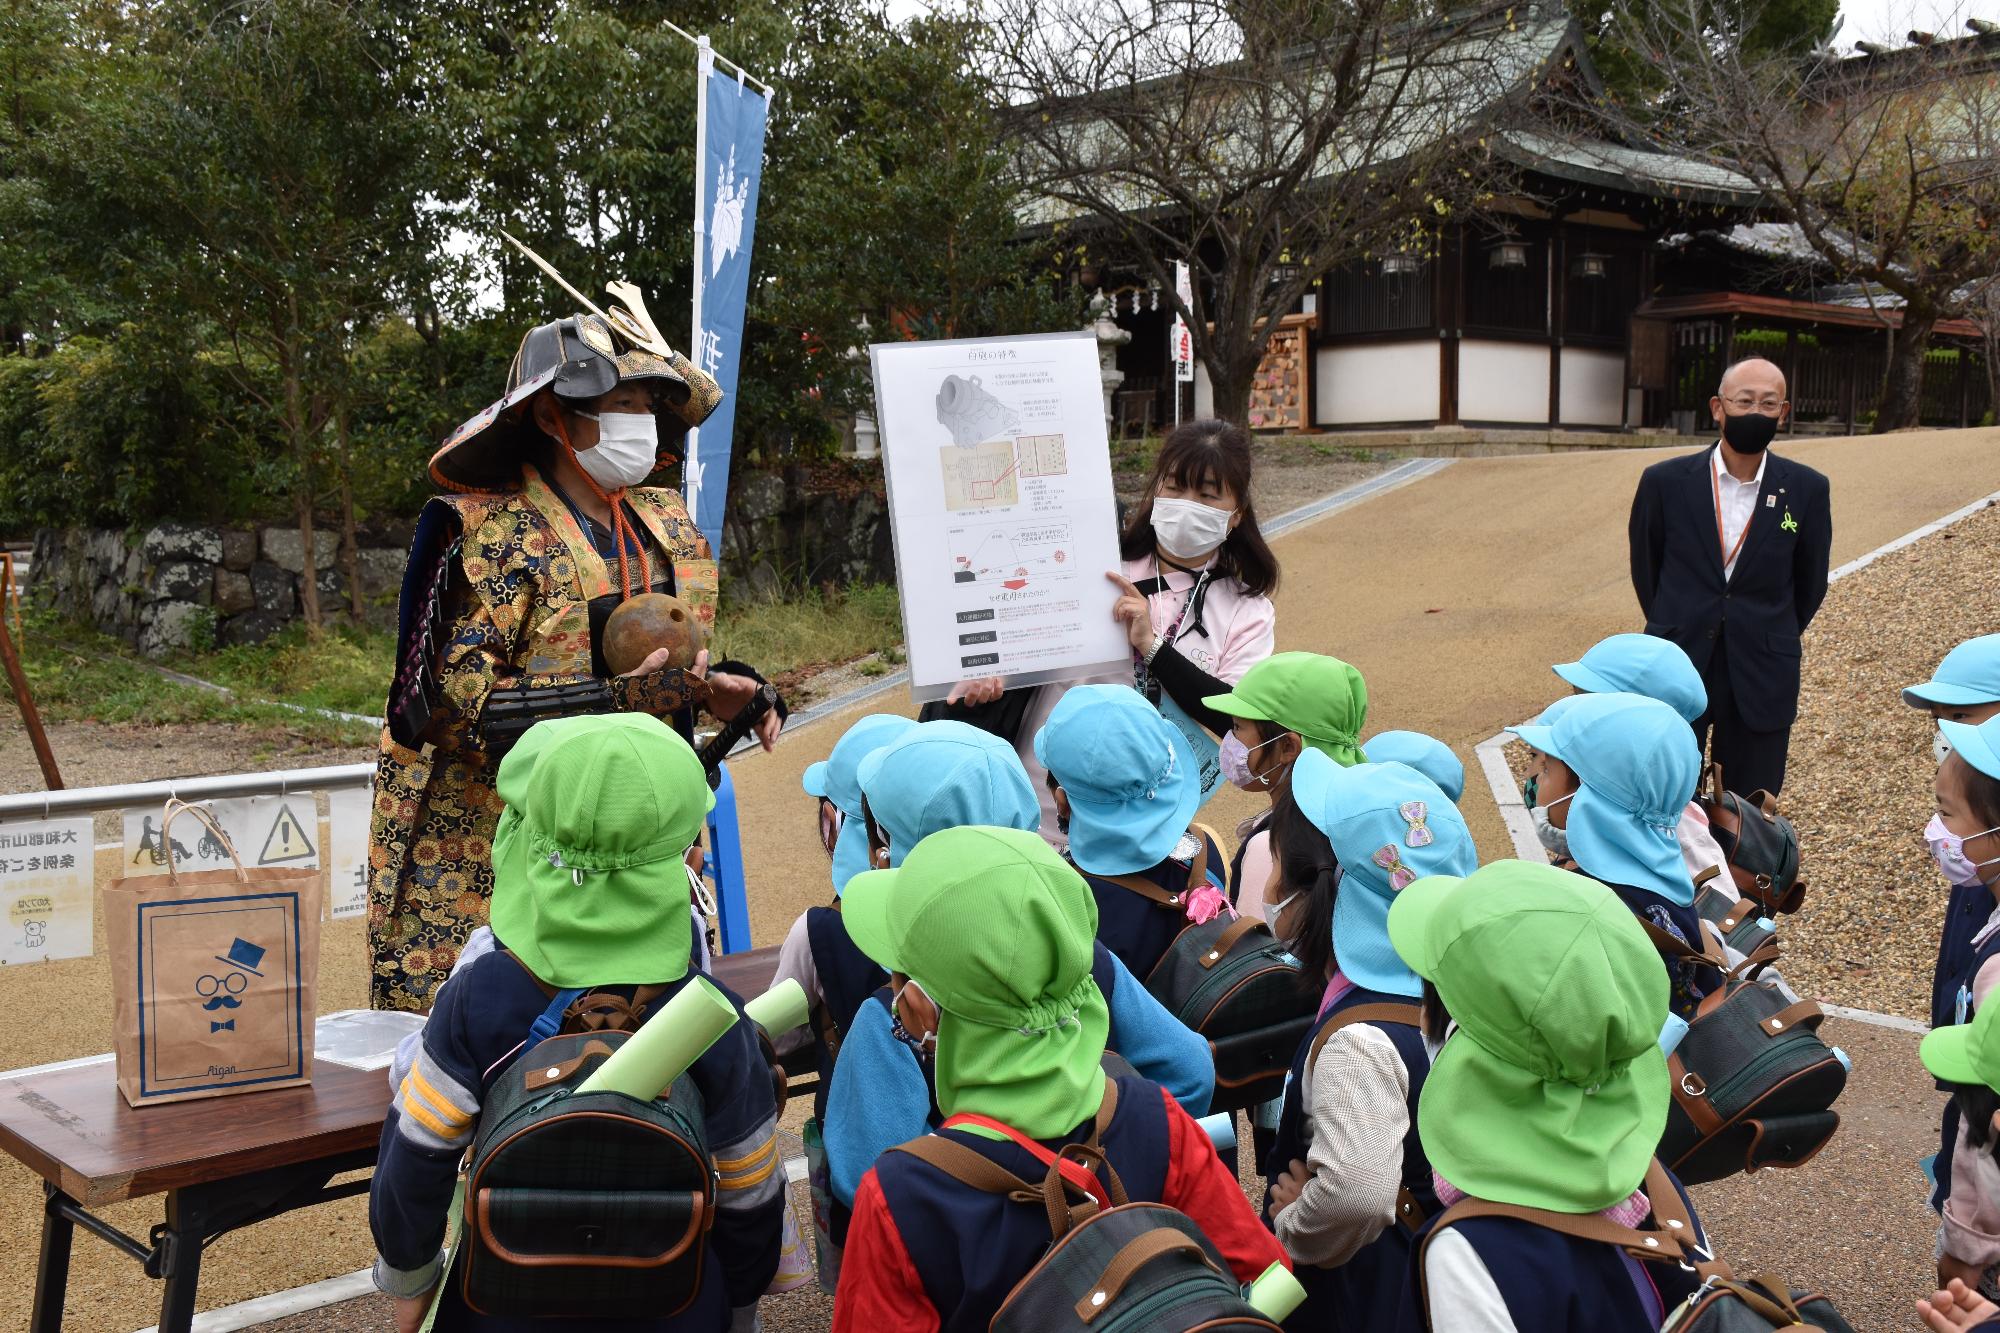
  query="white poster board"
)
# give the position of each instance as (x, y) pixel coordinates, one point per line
(347, 813)
(46, 876)
(1000, 502)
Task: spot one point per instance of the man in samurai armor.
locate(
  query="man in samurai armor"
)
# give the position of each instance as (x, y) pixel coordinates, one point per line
(545, 528)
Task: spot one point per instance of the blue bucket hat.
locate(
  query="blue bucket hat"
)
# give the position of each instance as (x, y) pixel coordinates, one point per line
(1640, 664)
(1427, 754)
(941, 775)
(1969, 674)
(1389, 826)
(837, 779)
(1131, 778)
(1978, 746)
(1636, 764)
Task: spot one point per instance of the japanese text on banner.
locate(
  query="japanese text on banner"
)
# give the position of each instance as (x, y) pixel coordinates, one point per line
(46, 875)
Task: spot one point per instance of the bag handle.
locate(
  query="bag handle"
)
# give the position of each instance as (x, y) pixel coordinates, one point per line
(1226, 941)
(1062, 1169)
(1708, 955)
(176, 806)
(1408, 1015)
(1125, 1265)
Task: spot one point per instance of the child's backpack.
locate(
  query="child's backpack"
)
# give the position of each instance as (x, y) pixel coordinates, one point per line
(1722, 1303)
(593, 1205)
(1740, 922)
(1236, 985)
(1753, 1084)
(1128, 1268)
(1230, 980)
(1760, 844)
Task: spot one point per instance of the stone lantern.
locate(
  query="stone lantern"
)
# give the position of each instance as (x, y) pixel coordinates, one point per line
(867, 440)
(1109, 339)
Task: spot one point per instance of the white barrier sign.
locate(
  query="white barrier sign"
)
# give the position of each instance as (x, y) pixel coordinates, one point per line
(266, 831)
(46, 879)
(347, 851)
(1000, 502)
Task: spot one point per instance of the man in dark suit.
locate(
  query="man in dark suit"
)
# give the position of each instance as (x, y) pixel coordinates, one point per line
(1729, 556)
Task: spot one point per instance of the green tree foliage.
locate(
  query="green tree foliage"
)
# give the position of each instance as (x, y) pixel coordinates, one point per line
(272, 228)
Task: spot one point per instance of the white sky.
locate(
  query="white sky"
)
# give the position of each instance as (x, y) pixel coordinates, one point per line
(1889, 21)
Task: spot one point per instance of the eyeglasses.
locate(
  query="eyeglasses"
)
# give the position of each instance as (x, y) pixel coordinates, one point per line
(1741, 402)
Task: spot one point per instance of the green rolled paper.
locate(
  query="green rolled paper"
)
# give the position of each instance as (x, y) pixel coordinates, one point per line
(671, 1040)
(779, 1009)
(1276, 1293)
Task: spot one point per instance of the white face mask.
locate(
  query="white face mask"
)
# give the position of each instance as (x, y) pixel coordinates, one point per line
(1188, 529)
(1234, 757)
(1948, 850)
(1940, 747)
(628, 448)
(1553, 839)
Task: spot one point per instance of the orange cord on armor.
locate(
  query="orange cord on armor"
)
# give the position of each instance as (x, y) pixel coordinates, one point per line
(621, 526)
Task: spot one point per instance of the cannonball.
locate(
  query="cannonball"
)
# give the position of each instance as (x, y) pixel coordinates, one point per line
(648, 621)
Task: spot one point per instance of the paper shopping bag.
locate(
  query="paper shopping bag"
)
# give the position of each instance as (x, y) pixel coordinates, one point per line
(213, 977)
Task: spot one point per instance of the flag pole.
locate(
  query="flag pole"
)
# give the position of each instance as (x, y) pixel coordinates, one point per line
(704, 66)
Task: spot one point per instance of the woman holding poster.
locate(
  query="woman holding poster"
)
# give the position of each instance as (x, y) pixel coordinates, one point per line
(1195, 585)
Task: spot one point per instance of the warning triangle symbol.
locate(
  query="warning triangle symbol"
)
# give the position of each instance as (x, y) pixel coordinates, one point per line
(286, 841)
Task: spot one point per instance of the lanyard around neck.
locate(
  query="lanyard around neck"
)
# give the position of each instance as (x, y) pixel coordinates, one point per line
(1729, 553)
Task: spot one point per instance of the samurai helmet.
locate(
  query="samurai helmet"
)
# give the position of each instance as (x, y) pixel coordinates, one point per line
(579, 358)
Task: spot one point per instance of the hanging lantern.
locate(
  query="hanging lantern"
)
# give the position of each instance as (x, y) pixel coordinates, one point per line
(1400, 265)
(1509, 253)
(1592, 266)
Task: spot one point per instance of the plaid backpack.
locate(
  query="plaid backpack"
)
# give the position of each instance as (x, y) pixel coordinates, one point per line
(1760, 844)
(585, 1206)
(1127, 1268)
(1723, 1303)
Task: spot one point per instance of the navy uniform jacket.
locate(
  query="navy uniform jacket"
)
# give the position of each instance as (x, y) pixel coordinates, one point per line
(1759, 612)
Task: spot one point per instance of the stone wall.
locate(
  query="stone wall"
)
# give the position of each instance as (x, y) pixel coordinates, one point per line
(174, 586)
(790, 530)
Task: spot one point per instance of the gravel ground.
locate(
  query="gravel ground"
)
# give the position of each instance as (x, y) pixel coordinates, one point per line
(1859, 787)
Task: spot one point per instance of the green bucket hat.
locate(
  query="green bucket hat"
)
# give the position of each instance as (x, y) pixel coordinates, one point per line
(1966, 1052)
(588, 888)
(1553, 1092)
(1322, 698)
(1000, 932)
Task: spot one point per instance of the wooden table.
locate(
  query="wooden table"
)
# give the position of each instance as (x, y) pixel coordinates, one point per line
(223, 1162)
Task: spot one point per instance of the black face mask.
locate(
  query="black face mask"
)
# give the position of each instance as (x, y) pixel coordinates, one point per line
(1750, 433)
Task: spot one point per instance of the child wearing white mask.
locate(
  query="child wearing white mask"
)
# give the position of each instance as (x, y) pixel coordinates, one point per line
(1964, 838)
(1194, 595)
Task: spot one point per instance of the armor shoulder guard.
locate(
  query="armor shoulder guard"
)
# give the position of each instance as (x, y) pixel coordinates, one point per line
(414, 691)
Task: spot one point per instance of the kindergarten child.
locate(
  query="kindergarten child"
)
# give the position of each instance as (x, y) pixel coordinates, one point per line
(1349, 1180)
(1286, 704)
(1125, 787)
(1964, 838)
(1659, 669)
(836, 977)
(589, 894)
(1614, 773)
(944, 775)
(999, 932)
(1549, 1093)
(1965, 1058)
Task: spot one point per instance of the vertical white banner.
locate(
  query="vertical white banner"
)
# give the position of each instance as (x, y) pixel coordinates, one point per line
(347, 851)
(46, 878)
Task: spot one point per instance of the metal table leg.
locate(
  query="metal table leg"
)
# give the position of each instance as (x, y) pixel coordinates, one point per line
(178, 1253)
(52, 1269)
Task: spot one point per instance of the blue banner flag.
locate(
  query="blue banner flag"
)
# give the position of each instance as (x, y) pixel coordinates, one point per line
(730, 161)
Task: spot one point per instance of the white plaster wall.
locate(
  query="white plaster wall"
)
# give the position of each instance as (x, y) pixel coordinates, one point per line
(1376, 382)
(1503, 382)
(1593, 387)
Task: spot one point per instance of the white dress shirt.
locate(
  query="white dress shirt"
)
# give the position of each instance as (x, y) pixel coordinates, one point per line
(1738, 503)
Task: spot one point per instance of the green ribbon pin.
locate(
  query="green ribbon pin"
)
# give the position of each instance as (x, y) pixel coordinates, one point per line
(1789, 524)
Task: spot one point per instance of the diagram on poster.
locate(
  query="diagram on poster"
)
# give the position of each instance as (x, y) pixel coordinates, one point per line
(263, 830)
(1001, 505)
